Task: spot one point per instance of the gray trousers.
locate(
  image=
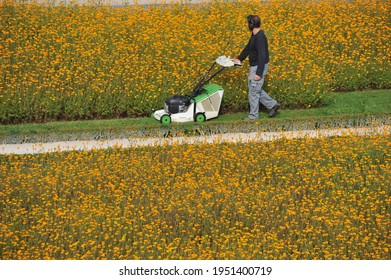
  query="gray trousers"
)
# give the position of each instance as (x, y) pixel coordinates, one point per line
(256, 94)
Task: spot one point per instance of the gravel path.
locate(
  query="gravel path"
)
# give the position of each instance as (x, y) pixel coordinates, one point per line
(35, 148)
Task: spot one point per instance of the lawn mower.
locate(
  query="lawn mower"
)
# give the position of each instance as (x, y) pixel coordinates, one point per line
(202, 104)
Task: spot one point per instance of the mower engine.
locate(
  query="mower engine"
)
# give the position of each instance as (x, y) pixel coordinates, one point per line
(176, 104)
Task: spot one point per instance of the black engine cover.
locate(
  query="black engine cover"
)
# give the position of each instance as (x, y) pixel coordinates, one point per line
(177, 104)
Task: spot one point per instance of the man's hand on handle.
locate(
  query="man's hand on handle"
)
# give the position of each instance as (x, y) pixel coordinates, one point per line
(237, 62)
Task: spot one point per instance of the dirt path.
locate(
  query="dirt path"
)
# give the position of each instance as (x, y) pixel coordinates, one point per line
(35, 148)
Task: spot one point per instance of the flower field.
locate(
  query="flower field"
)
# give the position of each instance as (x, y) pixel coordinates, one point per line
(96, 61)
(288, 199)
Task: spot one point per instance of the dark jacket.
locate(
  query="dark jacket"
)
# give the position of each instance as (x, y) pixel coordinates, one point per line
(257, 50)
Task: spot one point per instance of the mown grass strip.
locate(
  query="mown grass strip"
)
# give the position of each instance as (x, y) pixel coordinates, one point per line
(346, 109)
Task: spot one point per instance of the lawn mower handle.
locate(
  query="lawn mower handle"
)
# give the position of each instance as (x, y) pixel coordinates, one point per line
(205, 79)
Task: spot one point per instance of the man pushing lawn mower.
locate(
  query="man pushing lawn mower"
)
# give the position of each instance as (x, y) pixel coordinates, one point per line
(203, 102)
(258, 53)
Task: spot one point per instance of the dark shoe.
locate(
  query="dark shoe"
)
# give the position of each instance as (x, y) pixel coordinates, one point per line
(273, 111)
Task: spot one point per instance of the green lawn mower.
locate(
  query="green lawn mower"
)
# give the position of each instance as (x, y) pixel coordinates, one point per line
(202, 104)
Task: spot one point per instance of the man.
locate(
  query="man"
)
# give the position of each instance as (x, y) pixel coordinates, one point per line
(258, 53)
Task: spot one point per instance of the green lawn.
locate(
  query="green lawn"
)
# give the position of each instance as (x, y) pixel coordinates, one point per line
(345, 109)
